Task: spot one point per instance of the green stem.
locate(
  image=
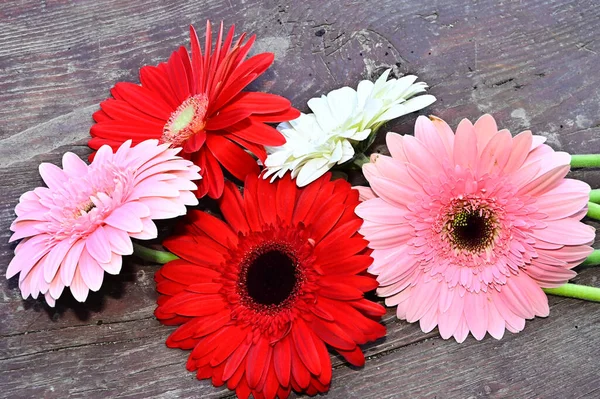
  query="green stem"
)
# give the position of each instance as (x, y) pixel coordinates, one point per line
(360, 160)
(152, 255)
(593, 259)
(595, 196)
(576, 291)
(585, 161)
(593, 211)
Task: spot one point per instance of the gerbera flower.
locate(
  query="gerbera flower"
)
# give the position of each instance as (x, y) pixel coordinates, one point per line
(197, 103)
(466, 229)
(80, 225)
(259, 297)
(344, 120)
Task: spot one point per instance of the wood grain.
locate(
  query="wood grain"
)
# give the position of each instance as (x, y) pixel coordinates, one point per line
(532, 64)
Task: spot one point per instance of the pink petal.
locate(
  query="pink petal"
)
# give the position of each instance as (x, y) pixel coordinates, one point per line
(567, 232)
(148, 232)
(91, 272)
(425, 295)
(476, 314)
(365, 193)
(560, 206)
(448, 321)
(485, 129)
(545, 182)
(73, 165)
(428, 135)
(78, 288)
(56, 288)
(53, 176)
(27, 254)
(98, 245)
(378, 211)
(495, 154)
(465, 145)
(429, 320)
(120, 242)
(114, 266)
(55, 258)
(69, 263)
(395, 146)
(446, 134)
(521, 145)
(462, 330)
(495, 322)
(122, 218)
(389, 190)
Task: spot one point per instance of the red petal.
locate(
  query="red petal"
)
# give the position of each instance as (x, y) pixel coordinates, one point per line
(339, 291)
(242, 76)
(195, 143)
(251, 203)
(326, 220)
(362, 283)
(197, 63)
(299, 372)
(184, 272)
(335, 254)
(154, 79)
(325, 360)
(187, 248)
(258, 133)
(205, 288)
(305, 346)
(332, 334)
(288, 115)
(368, 308)
(285, 198)
(282, 361)
(265, 194)
(226, 118)
(213, 227)
(198, 328)
(189, 304)
(143, 99)
(101, 116)
(232, 157)
(260, 103)
(122, 110)
(231, 204)
(228, 344)
(354, 357)
(235, 361)
(256, 149)
(341, 232)
(212, 181)
(352, 265)
(271, 384)
(125, 130)
(258, 358)
(306, 200)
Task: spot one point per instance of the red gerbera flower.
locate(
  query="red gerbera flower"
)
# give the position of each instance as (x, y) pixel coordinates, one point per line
(259, 296)
(198, 104)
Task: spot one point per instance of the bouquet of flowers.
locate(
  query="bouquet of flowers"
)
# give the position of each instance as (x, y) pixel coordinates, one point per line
(463, 230)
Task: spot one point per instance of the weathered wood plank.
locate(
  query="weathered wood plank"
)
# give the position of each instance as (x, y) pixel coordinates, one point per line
(532, 64)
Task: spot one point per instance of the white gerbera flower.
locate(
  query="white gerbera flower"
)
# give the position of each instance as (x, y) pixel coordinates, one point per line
(342, 119)
(309, 152)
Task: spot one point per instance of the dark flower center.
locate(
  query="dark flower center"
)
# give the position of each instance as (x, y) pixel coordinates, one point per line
(271, 278)
(472, 230)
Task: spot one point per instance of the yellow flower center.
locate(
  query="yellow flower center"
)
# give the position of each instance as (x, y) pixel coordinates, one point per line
(187, 120)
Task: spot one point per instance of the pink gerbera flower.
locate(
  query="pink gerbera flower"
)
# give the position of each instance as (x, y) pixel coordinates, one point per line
(466, 229)
(80, 226)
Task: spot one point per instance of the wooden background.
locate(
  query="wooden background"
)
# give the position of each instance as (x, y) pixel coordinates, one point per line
(532, 64)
